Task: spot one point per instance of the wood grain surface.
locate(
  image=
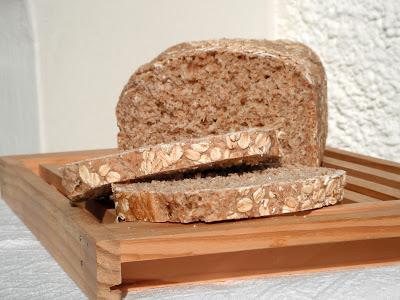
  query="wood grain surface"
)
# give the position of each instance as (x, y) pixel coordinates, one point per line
(107, 259)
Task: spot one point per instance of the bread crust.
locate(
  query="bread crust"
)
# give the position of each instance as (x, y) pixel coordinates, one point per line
(322, 187)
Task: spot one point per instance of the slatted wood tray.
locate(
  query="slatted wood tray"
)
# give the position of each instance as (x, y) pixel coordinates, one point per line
(107, 260)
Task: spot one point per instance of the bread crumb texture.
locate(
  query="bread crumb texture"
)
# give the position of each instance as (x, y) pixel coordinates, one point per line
(213, 87)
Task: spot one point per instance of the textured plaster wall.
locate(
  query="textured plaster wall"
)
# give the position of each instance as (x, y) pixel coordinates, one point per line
(359, 42)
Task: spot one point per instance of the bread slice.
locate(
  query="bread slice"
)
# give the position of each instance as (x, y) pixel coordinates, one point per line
(93, 177)
(213, 87)
(249, 195)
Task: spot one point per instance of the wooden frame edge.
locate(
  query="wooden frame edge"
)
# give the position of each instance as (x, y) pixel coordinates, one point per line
(81, 245)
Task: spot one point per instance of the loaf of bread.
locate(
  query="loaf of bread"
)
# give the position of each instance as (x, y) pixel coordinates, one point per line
(92, 177)
(213, 87)
(248, 195)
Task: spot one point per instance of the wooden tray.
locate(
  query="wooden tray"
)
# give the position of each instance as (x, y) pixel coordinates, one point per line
(106, 260)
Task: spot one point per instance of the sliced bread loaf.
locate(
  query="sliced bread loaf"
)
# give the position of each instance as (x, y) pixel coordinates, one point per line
(213, 87)
(254, 194)
(92, 177)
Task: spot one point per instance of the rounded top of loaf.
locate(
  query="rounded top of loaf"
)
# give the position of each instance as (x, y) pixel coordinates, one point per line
(293, 52)
(251, 46)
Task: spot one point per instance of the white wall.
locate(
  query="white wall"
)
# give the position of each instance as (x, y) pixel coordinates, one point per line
(88, 50)
(359, 42)
(19, 125)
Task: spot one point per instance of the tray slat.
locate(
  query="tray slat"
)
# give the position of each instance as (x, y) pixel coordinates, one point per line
(256, 263)
(377, 163)
(372, 189)
(351, 197)
(364, 172)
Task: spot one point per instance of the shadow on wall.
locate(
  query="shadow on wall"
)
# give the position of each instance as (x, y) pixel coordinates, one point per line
(19, 119)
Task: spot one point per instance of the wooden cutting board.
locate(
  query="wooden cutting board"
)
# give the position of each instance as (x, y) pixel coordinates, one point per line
(107, 259)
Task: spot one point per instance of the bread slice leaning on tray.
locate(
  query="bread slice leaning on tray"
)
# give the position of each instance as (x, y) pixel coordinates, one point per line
(92, 178)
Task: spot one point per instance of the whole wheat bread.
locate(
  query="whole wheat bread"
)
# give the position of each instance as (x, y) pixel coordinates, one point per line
(213, 87)
(254, 194)
(92, 177)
